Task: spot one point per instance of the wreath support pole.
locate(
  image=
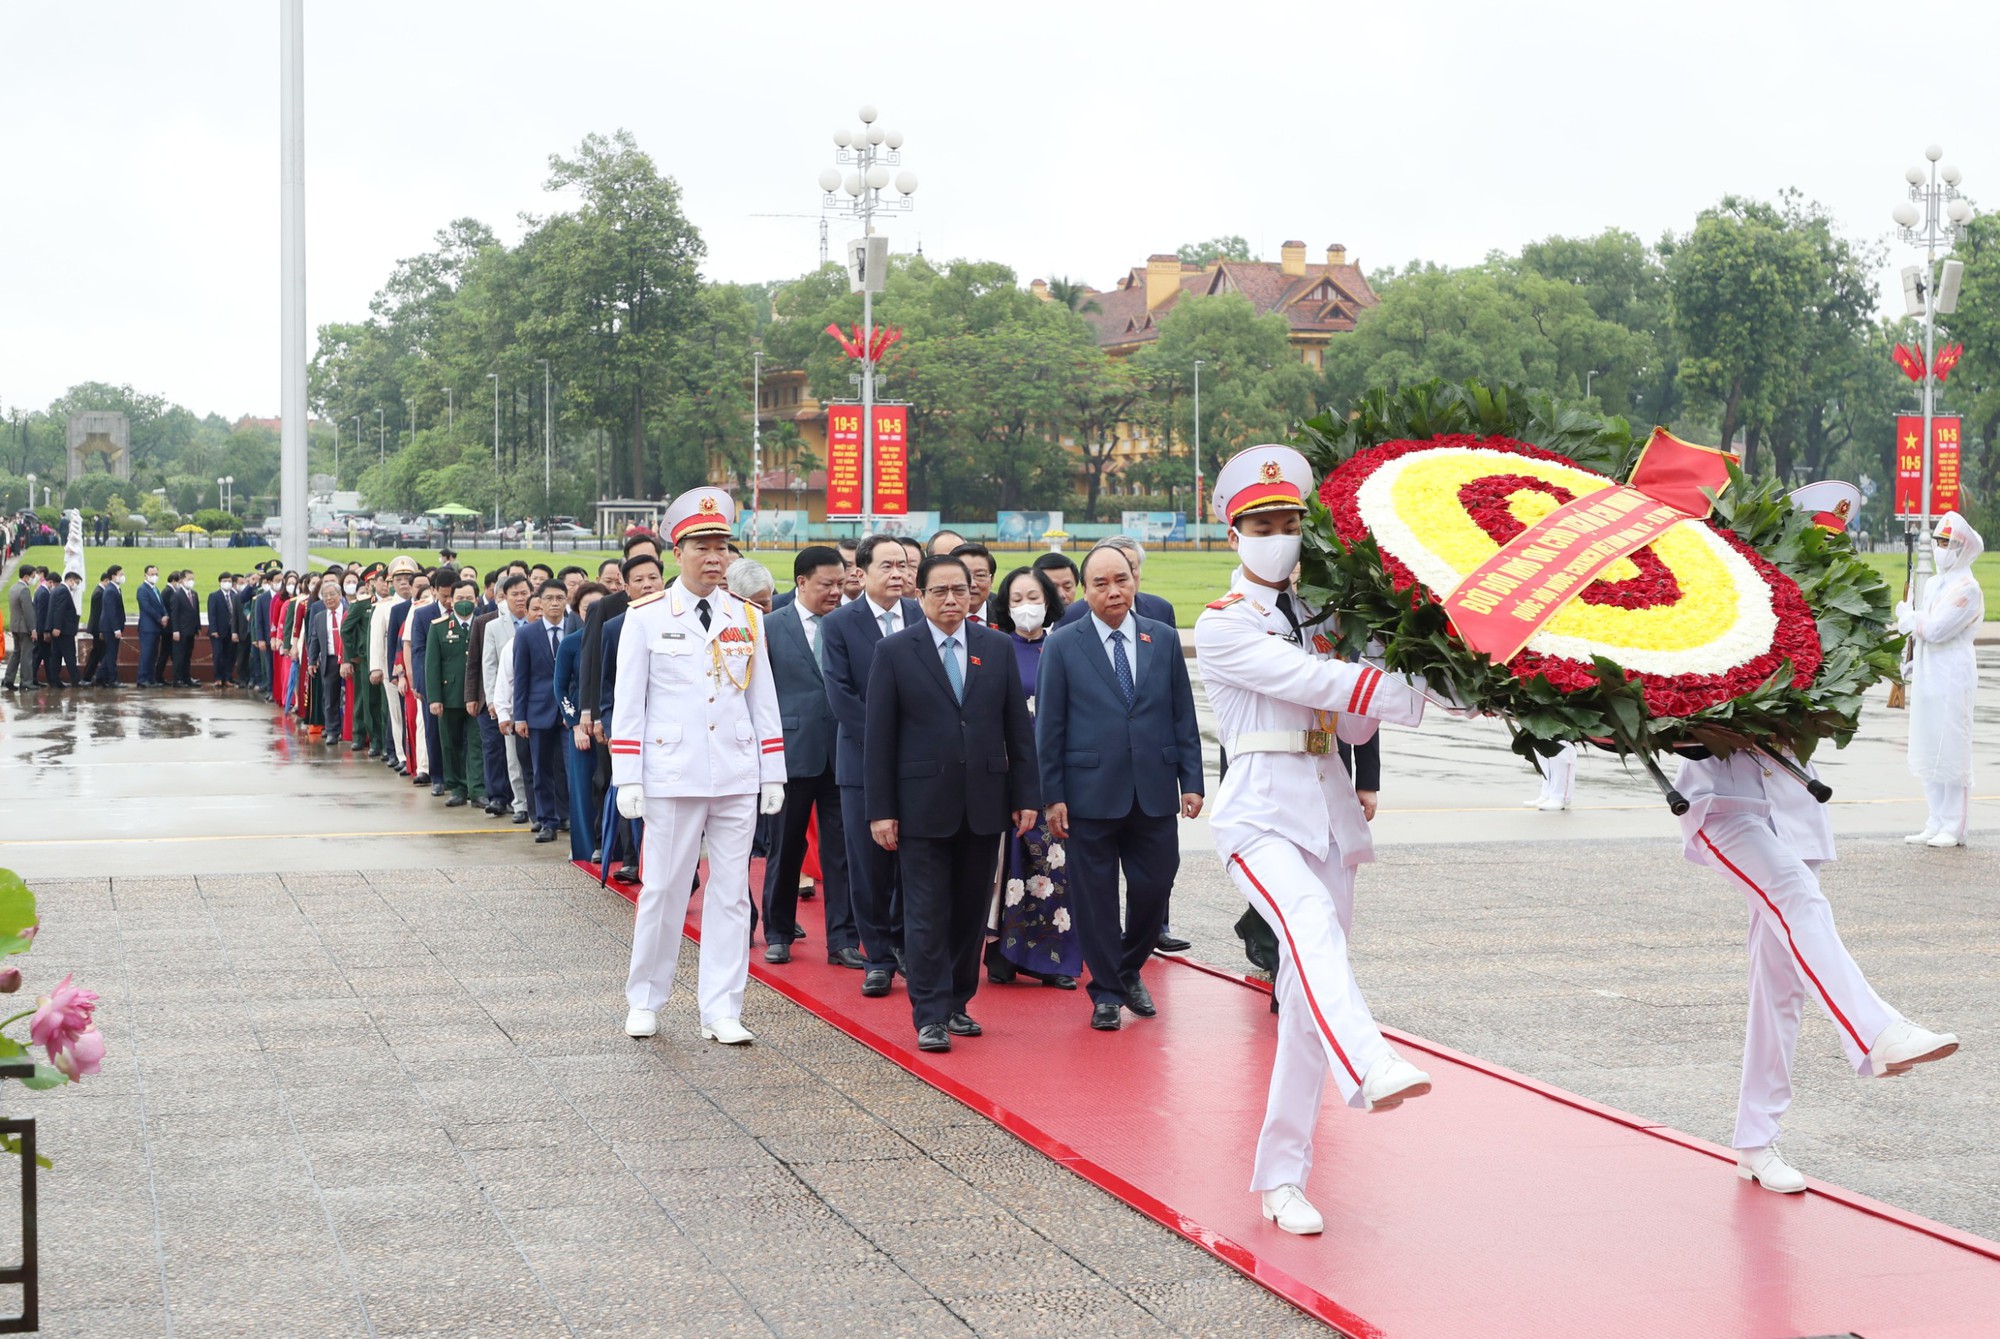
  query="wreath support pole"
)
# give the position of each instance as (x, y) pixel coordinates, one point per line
(1815, 787)
(1676, 802)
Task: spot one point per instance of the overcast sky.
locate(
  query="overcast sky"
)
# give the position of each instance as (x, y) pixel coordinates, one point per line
(139, 141)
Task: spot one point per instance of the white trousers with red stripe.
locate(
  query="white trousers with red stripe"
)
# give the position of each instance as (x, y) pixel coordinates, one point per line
(674, 832)
(1324, 1027)
(1795, 954)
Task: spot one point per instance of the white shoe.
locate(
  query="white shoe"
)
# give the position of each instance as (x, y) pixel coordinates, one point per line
(728, 1031)
(1551, 806)
(1943, 839)
(1768, 1168)
(1391, 1081)
(1903, 1045)
(1535, 803)
(642, 1023)
(1919, 838)
(1288, 1207)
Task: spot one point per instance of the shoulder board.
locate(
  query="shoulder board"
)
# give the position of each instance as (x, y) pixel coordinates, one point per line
(644, 600)
(1226, 600)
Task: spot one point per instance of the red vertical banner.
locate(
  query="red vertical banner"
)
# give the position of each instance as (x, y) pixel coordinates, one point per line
(892, 456)
(843, 460)
(1910, 463)
(1944, 465)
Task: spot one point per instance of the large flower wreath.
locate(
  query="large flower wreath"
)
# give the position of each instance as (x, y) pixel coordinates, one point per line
(1754, 628)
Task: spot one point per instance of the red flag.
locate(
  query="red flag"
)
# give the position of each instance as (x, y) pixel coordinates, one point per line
(847, 345)
(1911, 363)
(1947, 359)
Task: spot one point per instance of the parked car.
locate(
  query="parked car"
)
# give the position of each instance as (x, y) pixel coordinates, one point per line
(568, 530)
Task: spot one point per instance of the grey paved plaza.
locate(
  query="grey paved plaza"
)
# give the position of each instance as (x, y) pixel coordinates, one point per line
(366, 1075)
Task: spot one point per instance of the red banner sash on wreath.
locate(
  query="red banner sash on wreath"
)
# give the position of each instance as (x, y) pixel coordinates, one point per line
(1511, 596)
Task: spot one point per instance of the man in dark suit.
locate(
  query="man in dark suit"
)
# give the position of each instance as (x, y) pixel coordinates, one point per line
(152, 627)
(443, 582)
(537, 715)
(260, 634)
(950, 761)
(493, 786)
(1146, 606)
(42, 654)
(851, 634)
(96, 656)
(795, 638)
(222, 628)
(323, 655)
(110, 628)
(184, 619)
(59, 627)
(1121, 756)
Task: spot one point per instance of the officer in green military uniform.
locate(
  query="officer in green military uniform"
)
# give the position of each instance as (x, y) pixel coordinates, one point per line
(444, 680)
(369, 732)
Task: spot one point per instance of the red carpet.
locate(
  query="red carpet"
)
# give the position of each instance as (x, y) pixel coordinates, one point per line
(1497, 1206)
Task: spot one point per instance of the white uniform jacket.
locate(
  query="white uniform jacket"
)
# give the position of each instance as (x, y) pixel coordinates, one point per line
(696, 713)
(379, 650)
(1749, 783)
(1257, 681)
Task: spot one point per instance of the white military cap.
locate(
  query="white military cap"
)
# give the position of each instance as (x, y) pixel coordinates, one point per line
(700, 511)
(1831, 503)
(1262, 478)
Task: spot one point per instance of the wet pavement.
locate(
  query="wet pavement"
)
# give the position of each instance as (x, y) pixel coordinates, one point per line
(366, 1077)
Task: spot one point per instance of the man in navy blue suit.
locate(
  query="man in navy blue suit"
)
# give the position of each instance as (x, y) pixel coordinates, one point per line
(950, 762)
(152, 624)
(537, 716)
(1121, 757)
(851, 634)
(1146, 606)
(222, 628)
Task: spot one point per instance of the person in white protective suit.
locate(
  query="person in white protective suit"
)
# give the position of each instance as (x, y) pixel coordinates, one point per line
(1288, 825)
(1943, 679)
(1753, 822)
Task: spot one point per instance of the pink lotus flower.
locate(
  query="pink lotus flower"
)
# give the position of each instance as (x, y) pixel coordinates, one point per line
(64, 1016)
(10, 980)
(83, 1057)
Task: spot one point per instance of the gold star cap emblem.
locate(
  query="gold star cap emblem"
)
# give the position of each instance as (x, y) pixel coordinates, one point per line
(1272, 472)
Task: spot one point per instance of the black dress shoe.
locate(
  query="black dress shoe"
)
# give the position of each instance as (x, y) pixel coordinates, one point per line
(808, 894)
(454, 802)
(1173, 943)
(1106, 1017)
(1060, 982)
(625, 874)
(421, 779)
(962, 1025)
(1137, 998)
(546, 835)
(777, 952)
(932, 1037)
(797, 932)
(847, 957)
(877, 982)
(437, 787)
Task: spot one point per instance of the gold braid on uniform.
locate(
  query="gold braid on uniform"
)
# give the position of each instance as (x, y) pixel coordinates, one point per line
(720, 661)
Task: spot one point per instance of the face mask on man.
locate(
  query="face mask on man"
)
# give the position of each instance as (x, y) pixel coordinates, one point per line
(1270, 557)
(152, 578)
(348, 588)
(118, 580)
(228, 586)
(1028, 617)
(463, 608)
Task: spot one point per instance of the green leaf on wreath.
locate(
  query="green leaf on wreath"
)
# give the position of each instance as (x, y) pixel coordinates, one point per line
(45, 1077)
(17, 914)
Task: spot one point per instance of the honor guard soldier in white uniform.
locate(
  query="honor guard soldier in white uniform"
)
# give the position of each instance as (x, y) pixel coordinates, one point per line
(1753, 822)
(1287, 823)
(698, 752)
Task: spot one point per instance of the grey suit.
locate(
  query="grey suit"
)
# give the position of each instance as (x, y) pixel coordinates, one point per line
(21, 627)
(499, 641)
(810, 785)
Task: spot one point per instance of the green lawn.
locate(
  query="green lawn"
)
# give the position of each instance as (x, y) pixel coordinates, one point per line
(1987, 569)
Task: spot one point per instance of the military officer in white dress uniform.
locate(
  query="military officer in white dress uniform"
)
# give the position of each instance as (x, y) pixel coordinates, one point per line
(1282, 700)
(697, 750)
(1756, 825)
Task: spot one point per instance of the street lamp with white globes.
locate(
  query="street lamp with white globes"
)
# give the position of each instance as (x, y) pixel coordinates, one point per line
(869, 153)
(1933, 217)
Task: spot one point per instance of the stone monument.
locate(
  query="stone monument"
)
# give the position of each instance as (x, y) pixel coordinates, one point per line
(101, 433)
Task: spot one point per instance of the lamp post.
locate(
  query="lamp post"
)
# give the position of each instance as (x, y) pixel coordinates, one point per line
(31, 492)
(494, 377)
(756, 432)
(1933, 217)
(1197, 456)
(548, 423)
(381, 436)
(1586, 381)
(870, 151)
(449, 419)
(336, 453)
(357, 444)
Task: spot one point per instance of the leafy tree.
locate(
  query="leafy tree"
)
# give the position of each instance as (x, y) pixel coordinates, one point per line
(1073, 294)
(1254, 387)
(1231, 247)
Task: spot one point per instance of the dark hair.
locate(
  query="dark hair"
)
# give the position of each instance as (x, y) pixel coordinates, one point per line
(544, 569)
(115, 569)
(1049, 562)
(587, 588)
(445, 578)
(972, 550)
(637, 560)
(935, 561)
(813, 557)
(864, 555)
(1000, 619)
(516, 579)
(638, 537)
(68, 575)
(460, 584)
(448, 555)
(613, 563)
(734, 552)
(544, 587)
(521, 563)
(842, 544)
(564, 574)
(946, 530)
(1096, 549)
(493, 578)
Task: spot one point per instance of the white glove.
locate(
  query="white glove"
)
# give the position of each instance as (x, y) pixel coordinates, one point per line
(1906, 617)
(631, 802)
(771, 798)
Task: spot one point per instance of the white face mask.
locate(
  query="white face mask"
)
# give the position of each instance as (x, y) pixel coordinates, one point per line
(291, 588)
(228, 586)
(1028, 616)
(118, 580)
(350, 588)
(1270, 557)
(152, 578)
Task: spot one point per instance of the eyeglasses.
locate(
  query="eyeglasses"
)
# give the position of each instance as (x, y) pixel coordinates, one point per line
(944, 592)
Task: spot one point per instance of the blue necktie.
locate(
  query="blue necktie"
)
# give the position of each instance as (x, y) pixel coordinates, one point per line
(1122, 667)
(951, 668)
